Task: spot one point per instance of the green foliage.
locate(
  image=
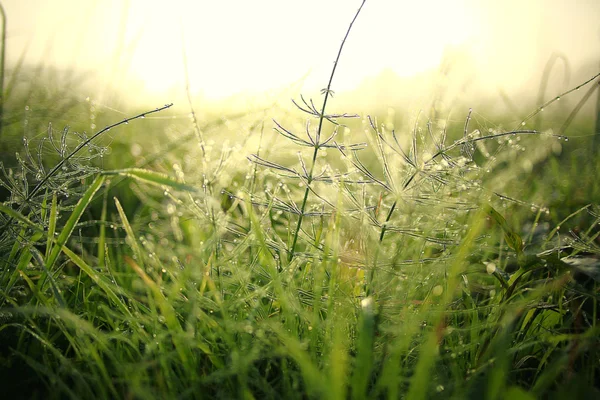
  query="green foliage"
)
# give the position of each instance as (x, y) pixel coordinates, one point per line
(400, 265)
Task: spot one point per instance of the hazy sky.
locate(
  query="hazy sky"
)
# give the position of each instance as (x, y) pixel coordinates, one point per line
(242, 45)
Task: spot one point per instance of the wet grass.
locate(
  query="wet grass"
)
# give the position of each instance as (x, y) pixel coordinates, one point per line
(328, 256)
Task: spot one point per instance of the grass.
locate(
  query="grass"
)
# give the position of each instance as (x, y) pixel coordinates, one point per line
(442, 261)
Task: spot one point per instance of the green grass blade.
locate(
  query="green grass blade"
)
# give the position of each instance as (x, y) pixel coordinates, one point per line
(153, 178)
(6, 264)
(129, 231)
(98, 280)
(102, 235)
(67, 230)
(55, 290)
(51, 225)
(364, 348)
(20, 217)
(513, 239)
(429, 349)
(166, 309)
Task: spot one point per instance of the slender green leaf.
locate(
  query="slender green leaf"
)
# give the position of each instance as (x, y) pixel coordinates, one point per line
(64, 235)
(364, 348)
(20, 217)
(129, 230)
(55, 290)
(513, 239)
(51, 225)
(97, 278)
(102, 235)
(152, 177)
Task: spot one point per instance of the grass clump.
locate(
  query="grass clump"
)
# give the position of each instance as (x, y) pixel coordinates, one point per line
(400, 266)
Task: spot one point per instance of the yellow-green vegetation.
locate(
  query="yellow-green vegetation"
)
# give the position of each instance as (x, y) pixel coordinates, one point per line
(152, 260)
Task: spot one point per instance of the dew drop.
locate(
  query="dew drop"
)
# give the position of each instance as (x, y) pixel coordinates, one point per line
(490, 268)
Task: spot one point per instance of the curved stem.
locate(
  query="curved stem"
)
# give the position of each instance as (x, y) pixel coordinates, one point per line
(369, 286)
(85, 143)
(545, 78)
(81, 145)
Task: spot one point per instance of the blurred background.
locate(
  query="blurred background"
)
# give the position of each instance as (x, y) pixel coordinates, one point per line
(399, 52)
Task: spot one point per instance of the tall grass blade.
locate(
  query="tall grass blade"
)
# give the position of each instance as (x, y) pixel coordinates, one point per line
(97, 278)
(327, 92)
(129, 231)
(69, 226)
(51, 225)
(364, 348)
(151, 177)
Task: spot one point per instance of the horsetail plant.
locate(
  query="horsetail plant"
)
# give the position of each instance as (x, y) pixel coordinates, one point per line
(48, 181)
(403, 276)
(308, 174)
(23, 207)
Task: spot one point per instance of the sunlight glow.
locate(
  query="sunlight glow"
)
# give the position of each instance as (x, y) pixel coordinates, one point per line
(239, 46)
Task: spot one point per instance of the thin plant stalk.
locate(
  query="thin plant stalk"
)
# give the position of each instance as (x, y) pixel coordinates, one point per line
(80, 146)
(317, 146)
(578, 107)
(545, 78)
(85, 143)
(197, 130)
(554, 99)
(369, 286)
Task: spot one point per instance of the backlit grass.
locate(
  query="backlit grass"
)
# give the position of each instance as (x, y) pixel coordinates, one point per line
(327, 256)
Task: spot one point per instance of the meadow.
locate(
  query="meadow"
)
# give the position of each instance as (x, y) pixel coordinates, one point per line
(291, 251)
